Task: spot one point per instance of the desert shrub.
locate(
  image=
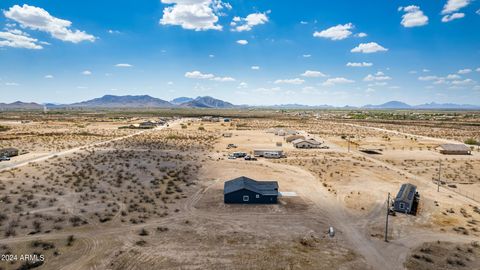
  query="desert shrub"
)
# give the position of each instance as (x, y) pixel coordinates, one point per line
(471, 141)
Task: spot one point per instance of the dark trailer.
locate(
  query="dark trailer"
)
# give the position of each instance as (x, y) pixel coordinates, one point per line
(248, 191)
(406, 200)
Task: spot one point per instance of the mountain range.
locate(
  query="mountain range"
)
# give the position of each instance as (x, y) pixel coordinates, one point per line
(146, 101)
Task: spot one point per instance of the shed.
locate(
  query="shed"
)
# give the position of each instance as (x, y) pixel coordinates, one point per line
(407, 199)
(248, 191)
(263, 152)
(310, 143)
(8, 152)
(294, 137)
(454, 149)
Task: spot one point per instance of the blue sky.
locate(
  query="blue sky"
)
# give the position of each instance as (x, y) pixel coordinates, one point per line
(247, 52)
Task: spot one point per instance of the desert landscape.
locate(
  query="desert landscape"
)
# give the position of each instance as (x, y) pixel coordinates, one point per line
(87, 193)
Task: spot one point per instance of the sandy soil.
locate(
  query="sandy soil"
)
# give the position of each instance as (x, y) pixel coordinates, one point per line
(154, 200)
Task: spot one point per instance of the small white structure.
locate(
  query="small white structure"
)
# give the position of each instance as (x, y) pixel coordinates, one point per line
(270, 153)
(308, 143)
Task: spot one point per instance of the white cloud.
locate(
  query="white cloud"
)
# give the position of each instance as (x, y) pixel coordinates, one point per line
(290, 81)
(242, 42)
(246, 24)
(207, 76)
(370, 47)
(307, 55)
(123, 65)
(426, 70)
(224, 79)
(242, 85)
(360, 64)
(255, 67)
(453, 77)
(198, 75)
(48, 76)
(478, 12)
(11, 84)
(87, 72)
(113, 32)
(377, 84)
(18, 39)
(451, 17)
(413, 16)
(464, 82)
(313, 74)
(464, 71)
(267, 91)
(454, 5)
(429, 78)
(39, 19)
(379, 76)
(170, 83)
(338, 80)
(361, 35)
(198, 15)
(338, 32)
(478, 69)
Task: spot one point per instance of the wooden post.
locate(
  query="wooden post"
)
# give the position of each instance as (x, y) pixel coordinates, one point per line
(439, 174)
(386, 221)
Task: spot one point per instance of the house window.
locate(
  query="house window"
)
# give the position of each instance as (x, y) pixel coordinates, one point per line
(257, 196)
(246, 198)
(402, 206)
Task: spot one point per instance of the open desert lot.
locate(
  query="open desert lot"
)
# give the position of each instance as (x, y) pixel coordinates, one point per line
(87, 193)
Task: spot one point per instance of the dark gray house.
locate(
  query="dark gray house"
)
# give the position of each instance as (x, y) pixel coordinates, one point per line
(248, 191)
(406, 200)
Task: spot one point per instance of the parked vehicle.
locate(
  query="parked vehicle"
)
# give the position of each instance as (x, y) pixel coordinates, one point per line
(231, 145)
(4, 158)
(250, 158)
(232, 157)
(239, 154)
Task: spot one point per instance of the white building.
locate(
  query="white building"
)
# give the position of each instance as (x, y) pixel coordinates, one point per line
(308, 143)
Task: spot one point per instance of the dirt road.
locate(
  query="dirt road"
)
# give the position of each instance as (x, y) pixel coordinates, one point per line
(76, 149)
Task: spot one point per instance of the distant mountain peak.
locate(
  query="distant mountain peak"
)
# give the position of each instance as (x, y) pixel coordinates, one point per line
(207, 102)
(180, 100)
(128, 101)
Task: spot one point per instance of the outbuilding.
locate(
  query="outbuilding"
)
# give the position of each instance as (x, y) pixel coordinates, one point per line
(294, 137)
(8, 152)
(407, 199)
(454, 149)
(245, 190)
(310, 143)
(268, 152)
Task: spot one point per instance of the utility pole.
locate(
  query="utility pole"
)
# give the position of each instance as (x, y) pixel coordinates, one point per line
(439, 174)
(388, 213)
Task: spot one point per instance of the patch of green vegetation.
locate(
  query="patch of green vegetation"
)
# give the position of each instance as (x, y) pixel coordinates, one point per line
(4, 128)
(472, 141)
